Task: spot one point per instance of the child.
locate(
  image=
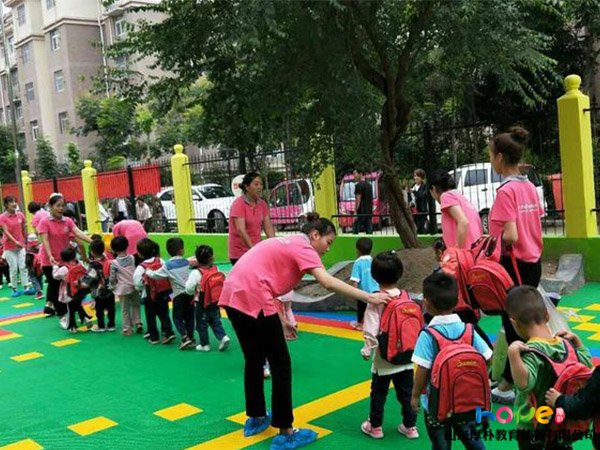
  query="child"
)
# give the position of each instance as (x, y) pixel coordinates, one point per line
(206, 315)
(440, 296)
(95, 279)
(531, 373)
(582, 405)
(71, 292)
(121, 282)
(34, 265)
(155, 293)
(361, 277)
(387, 270)
(177, 271)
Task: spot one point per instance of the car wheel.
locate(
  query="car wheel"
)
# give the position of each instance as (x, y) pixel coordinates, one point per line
(485, 222)
(217, 223)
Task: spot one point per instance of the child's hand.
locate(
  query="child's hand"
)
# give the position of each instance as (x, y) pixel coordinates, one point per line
(551, 397)
(415, 403)
(570, 337)
(517, 347)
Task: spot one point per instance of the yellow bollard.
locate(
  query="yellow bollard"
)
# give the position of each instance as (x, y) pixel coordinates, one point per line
(576, 159)
(27, 197)
(325, 195)
(90, 197)
(182, 191)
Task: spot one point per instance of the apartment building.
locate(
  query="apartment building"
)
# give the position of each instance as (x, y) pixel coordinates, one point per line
(55, 52)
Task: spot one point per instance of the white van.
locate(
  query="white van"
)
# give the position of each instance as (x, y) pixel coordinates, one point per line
(479, 182)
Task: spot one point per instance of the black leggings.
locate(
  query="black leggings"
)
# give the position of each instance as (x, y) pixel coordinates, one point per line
(262, 338)
(52, 292)
(531, 273)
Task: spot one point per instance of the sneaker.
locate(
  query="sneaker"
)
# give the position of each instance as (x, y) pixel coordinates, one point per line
(64, 322)
(299, 438)
(203, 348)
(409, 432)
(127, 332)
(15, 293)
(356, 325)
(73, 330)
(255, 425)
(369, 430)
(503, 397)
(97, 329)
(29, 291)
(38, 295)
(185, 342)
(147, 336)
(224, 345)
(140, 330)
(168, 339)
(154, 342)
(266, 371)
(111, 329)
(88, 323)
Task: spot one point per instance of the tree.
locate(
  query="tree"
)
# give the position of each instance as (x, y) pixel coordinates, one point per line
(74, 163)
(7, 155)
(344, 73)
(46, 164)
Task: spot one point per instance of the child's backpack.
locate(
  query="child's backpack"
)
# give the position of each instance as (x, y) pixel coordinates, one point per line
(155, 287)
(571, 375)
(459, 377)
(457, 262)
(74, 275)
(488, 280)
(211, 286)
(400, 325)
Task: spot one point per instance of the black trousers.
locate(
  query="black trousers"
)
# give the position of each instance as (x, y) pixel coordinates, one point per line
(75, 306)
(4, 273)
(361, 307)
(52, 292)
(159, 307)
(363, 222)
(105, 304)
(380, 386)
(183, 315)
(262, 338)
(531, 273)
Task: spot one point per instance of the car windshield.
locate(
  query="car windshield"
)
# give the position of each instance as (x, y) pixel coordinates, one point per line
(214, 191)
(347, 193)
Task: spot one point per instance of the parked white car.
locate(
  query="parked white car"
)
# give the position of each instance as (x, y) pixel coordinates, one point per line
(211, 203)
(479, 182)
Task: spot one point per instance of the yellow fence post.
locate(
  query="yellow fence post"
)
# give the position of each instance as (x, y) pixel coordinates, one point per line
(575, 135)
(325, 194)
(182, 191)
(90, 197)
(27, 197)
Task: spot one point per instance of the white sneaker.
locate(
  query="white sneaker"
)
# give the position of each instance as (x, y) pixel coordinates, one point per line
(64, 322)
(88, 323)
(224, 345)
(203, 348)
(266, 371)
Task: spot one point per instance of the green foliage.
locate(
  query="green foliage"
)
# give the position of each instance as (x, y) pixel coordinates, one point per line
(74, 163)
(46, 164)
(7, 156)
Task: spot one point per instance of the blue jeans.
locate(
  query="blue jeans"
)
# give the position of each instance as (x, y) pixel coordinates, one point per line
(441, 436)
(210, 315)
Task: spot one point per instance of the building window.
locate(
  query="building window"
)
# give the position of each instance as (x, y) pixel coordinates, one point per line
(29, 92)
(59, 81)
(11, 46)
(26, 53)
(120, 27)
(63, 122)
(50, 4)
(21, 14)
(35, 129)
(19, 111)
(55, 40)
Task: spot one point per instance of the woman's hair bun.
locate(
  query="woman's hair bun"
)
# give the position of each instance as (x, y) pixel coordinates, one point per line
(312, 216)
(519, 134)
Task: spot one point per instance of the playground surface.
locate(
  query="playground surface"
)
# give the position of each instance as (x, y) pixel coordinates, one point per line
(88, 391)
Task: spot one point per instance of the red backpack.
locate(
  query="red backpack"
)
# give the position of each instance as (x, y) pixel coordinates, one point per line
(488, 280)
(211, 286)
(571, 375)
(401, 323)
(457, 262)
(75, 273)
(155, 287)
(459, 377)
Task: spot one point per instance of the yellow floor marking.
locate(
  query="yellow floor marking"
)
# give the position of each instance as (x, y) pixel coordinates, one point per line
(22, 319)
(302, 416)
(92, 426)
(177, 412)
(595, 327)
(595, 337)
(331, 331)
(26, 356)
(25, 444)
(8, 337)
(580, 318)
(567, 308)
(65, 342)
(594, 307)
(3, 299)
(22, 305)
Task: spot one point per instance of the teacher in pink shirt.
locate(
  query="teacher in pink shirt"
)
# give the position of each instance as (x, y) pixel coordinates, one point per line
(516, 217)
(461, 224)
(133, 231)
(248, 217)
(270, 269)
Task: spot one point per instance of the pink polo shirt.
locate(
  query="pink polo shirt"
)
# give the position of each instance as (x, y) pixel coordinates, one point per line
(58, 233)
(268, 270)
(37, 217)
(14, 224)
(253, 216)
(133, 231)
(517, 201)
(449, 228)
